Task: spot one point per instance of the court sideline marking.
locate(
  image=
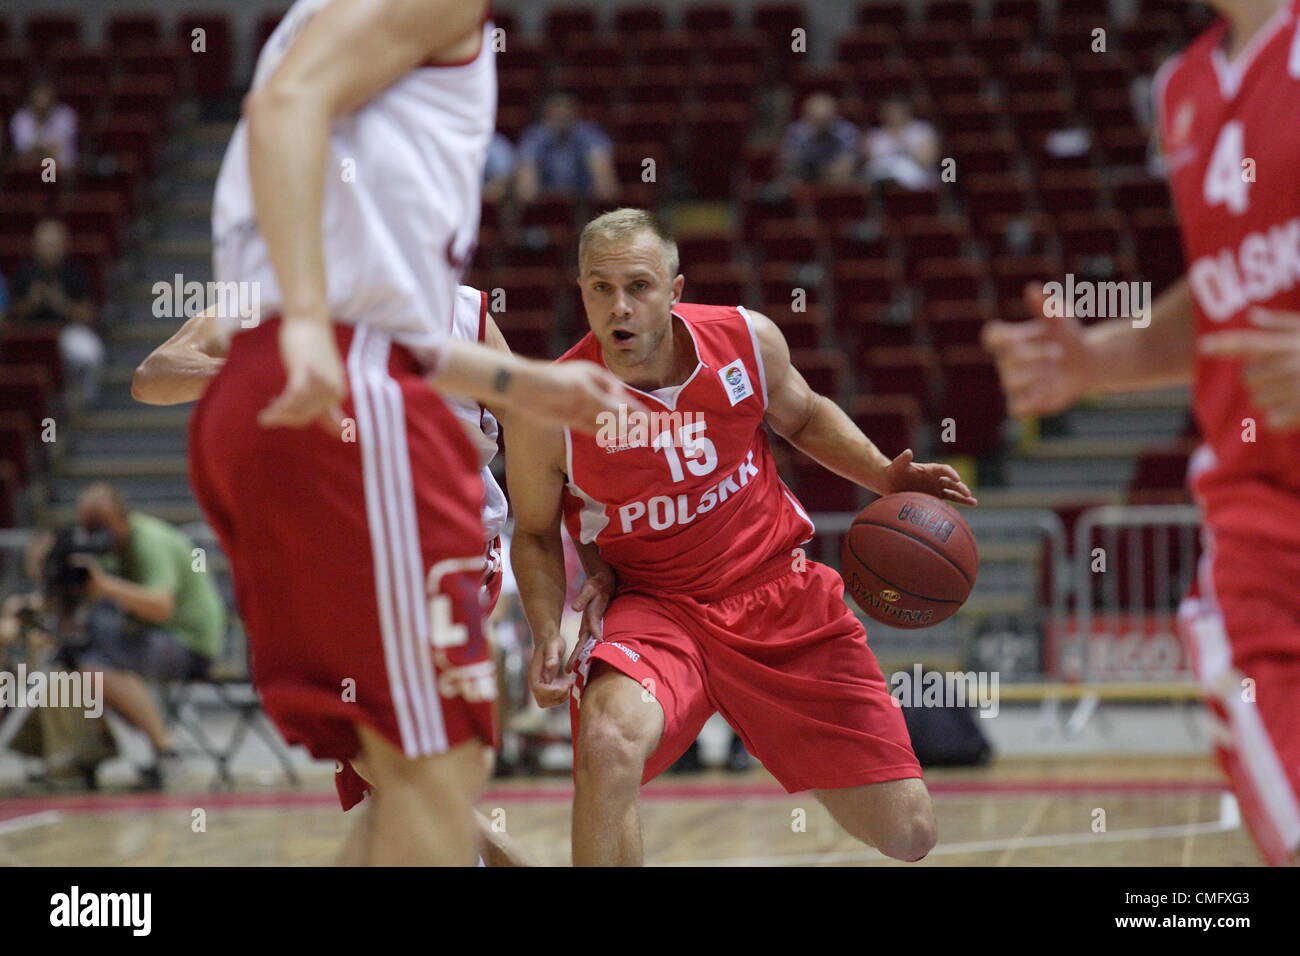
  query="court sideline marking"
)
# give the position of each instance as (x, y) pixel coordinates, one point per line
(1229, 819)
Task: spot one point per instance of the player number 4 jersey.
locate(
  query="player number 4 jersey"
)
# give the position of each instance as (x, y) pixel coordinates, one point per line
(687, 498)
(1231, 137)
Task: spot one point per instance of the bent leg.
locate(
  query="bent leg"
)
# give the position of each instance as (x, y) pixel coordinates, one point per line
(619, 727)
(896, 817)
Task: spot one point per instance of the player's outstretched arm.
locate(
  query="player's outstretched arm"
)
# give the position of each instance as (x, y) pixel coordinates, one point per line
(180, 369)
(563, 393)
(820, 429)
(534, 473)
(1049, 363)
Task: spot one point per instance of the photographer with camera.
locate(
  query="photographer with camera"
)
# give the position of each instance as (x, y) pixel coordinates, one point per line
(127, 600)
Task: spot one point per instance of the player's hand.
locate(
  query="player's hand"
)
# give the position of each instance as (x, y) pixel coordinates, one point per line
(1271, 372)
(592, 600)
(549, 680)
(576, 394)
(941, 481)
(315, 385)
(1045, 364)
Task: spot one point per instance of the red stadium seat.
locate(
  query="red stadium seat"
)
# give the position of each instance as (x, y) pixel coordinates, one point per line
(1114, 72)
(863, 45)
(1126, 146)
(948, 279)
(130, 27)
(630, 159)
(132, 135)
(760, 162)
(835, 206)
(1026, 11)
(708, 248)
(22, 211)
(994, 152)
(1012, 273)
(836, 80)
(10, 493)
(705, 17)
(777, 22)
(95, 254)
(76, 62)
(1000, 40)
(975, 115)
(1097, 11)
(1160, 475)
(527, 289)
(562, 23)
(723, 283)
(594, 86)
(736, 82)
(932, 41)
(872, 282)
(783, 284)
(550, 210)
(592, 51)
(960, 12)
(761, 205)
(900, 203)
(890, 421)
(996, 193)
(802, 330)
(957, 322)
(211, 66)
(892, 13)
(1039, 74)
(656, 86)
(955, 76)
(971, 395)
(1035, 114)
(1071, 190)
(665, 50)
(524, 57)
(1091, 234)
(1074, 33)
(1018, 233)
(1108, 109)
(140, 95)
(44, 30)
(794, 241)
(34, 344)
(824, 370)
(634, 22)
(94, 214)
(1140, 190)
(901, 371)
(1159, 246)
(712, 134)
(27, 390)
(932, 237)
(18, 445)
(528, 332)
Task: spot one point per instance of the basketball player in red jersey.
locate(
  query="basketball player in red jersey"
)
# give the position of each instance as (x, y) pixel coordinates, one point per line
(1229, 110)
(716, 610)
(349, 196)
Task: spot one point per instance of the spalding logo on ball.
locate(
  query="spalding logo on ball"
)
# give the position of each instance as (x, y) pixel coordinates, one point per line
(909, 560)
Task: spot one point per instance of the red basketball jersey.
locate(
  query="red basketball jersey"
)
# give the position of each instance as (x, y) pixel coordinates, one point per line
(1231, 135)
(687, 499)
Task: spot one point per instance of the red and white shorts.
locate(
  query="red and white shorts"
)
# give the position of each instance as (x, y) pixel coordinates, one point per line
(1241, 626)
(358, 560)
(784, 661)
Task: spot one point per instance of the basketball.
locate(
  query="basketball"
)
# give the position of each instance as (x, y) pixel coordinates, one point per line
(909, 560)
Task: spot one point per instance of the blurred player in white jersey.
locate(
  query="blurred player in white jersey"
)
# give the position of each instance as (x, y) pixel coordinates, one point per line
(348, 199)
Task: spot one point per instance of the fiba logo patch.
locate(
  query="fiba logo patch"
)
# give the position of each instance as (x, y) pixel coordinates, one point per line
(736, 381)
(890, 595)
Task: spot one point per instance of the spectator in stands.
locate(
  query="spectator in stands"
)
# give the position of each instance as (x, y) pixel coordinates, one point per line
(498, 169)
(160, 617)
(44, 127)
(821, 146)
(902, 150)
(563, 153)
(54, 288)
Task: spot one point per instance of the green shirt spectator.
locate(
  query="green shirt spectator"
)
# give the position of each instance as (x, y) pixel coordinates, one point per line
(159, 555)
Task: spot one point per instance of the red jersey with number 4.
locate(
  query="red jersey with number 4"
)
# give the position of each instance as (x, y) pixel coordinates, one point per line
(1231, 135)
(687, 498)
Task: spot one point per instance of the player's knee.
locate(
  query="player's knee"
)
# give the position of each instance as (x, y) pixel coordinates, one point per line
(911, 839)
(611, 743)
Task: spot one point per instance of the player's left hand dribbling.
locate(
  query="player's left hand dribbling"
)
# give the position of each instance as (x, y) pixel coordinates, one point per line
(1271, 354)
(315, 385)
(941, 481)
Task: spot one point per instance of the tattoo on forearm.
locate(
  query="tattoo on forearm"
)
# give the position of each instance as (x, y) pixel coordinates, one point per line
(501, 381)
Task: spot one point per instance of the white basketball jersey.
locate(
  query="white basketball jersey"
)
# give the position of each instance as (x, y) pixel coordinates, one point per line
(469, 320)
(402, 192)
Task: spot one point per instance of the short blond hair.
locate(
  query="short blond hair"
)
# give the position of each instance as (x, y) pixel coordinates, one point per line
(623, 224)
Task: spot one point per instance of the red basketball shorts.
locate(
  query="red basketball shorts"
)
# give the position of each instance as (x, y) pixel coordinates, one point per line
(357, 560)
(785, 662)
(1241, 625)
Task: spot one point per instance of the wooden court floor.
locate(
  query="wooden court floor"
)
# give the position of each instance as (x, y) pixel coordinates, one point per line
(1114, 811)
